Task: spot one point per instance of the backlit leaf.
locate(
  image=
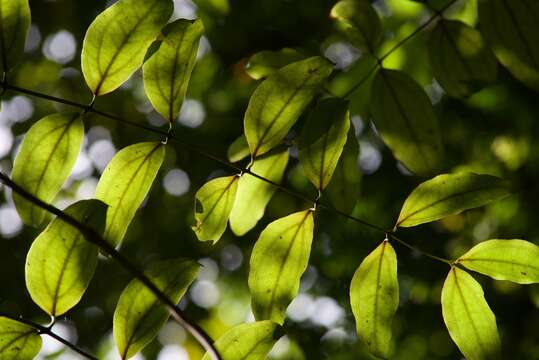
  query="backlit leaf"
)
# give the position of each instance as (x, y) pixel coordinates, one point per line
(450, 194)
(279, 258)
(18, 341)
(116, 42)
(238, 150)
(45, 160)
(139, 314)
(471, 323)
(278, 101)
(168, 70)
(374, 296)
(264, 63)
(14, 25)
(124, 184)
(60, 262)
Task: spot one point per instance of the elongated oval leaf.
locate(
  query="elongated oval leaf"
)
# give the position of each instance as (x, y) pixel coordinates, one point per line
(168, 70)
(60, 262)
(278, 101)
(374, 296)
(254, 194)
(471, 323)
(124, 185)
(45, 160)
(450, 194)
(14, 25)
(322, 140)
(510, 26)
(238, 150)
(247, 341)
(264, 63)
(116, 42)
(403, 114)
(460, 58)
(17, 340)
(214, 202)
(513, 260)
(139, 315)
(279, 258)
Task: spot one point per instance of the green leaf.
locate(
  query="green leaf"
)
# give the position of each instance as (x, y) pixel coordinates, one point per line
(278, 101)
(279, 258)
(168, 70)
(513, 260)
(471, 323)
(322, 140)
(254, 194)
(374, 296)
(17, 340)
(116, 42)
(14, 25)
(247, 341)
(510, 26)
(460, 58)
(60, 262)
(213, 204)
(45, 160)
(238, 150)
(139, 314)
(264, 63)
(403, 114)
(450, 194)
(359, 22)
(124, 184)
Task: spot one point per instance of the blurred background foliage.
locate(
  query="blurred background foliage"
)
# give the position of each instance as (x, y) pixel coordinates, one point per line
(493, 131)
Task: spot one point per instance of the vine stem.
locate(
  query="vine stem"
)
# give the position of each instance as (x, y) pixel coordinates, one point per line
(47, 330)
(93, 237)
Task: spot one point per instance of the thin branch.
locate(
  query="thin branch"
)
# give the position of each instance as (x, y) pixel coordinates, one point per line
(92, 236)
(422, 252)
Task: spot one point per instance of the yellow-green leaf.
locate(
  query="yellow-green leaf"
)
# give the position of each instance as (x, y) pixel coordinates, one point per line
(450, 194)
(471, 323)
(213, 204)
(322, 140)
(460, 58)
(254, 194)
(139, 314)
(404, 117)
(238, 150)
(45, 160)
(279, 258)
(14, 25)
(124, 184)
(168, 70)
(374, 296)
(247, 341)
(278, 101)
(60, 262)
(513, 260)
(116, 42)
(264, 63)
(18, 341)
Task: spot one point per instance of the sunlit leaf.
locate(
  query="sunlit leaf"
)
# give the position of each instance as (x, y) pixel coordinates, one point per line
(18, 341)
(374, 296)
(263, 63)
(139, 314)
(116, 42)
(510, 26)
(214, 202)
(450, 194)
(279, 258)
(247, 341)
(168, 70)
(322, 140)
(471, 323)
(238, 150)
(403, 114)
(60, 262)
(45, 160)
(124, 184)
(14, 25)
(513, 260)
(279, 100)
(460, 58)
(254, 194)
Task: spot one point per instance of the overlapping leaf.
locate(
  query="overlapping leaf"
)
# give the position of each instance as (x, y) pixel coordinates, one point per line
(238, 150)
(18, 341)
(264, 63)
(14, 25)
